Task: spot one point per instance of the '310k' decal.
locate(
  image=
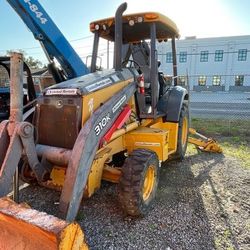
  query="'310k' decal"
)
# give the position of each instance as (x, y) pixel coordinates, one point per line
(102, 124)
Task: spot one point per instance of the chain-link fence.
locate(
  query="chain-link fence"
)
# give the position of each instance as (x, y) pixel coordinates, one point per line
(219, 105)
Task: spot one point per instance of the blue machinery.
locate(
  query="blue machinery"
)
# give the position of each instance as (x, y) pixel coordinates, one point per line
(51, 38)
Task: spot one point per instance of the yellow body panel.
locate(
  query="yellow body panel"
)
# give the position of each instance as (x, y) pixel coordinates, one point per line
(173, 133)
(94, 100)
(95, 175)
(149, 138)
(102, 156)
(159, 137)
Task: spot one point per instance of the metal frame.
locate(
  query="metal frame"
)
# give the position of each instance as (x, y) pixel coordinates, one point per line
(153, 70)
(94, 52)
(174, 61)
(118, 37)
(16, 136)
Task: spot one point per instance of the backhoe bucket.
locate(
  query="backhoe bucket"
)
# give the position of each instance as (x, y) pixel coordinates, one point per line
(25, 228)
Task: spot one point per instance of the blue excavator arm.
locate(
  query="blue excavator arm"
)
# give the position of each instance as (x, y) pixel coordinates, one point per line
(52, 40)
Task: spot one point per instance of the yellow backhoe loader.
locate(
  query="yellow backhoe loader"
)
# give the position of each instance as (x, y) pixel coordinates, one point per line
(117, 125)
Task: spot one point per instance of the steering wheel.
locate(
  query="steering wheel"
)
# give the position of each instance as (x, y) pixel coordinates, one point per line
(136, 65)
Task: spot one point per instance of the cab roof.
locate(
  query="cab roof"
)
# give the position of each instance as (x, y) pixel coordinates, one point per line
(136, 27)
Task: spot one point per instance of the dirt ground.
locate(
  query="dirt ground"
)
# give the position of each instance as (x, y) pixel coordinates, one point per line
(203, 202)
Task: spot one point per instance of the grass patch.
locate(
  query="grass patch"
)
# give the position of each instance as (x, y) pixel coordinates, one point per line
(233, 136)
(237, 150)
(223, 241)
(237, 129)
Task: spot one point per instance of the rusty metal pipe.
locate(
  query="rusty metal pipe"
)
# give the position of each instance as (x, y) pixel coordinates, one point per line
(16, 105)
(16, 90)
(55, 155)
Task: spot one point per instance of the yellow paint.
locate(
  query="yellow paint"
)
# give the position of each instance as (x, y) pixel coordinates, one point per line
(111, 174)
(184, 133)
(149, 138)
(172, 128)
(94, 100)
(149, 182)
(149, 122)
(167, 25)
(97, 168)
(96, 173)
(203, 143)
(126, 129)
(159, 137)
(95, 176)
(72, 237)
(57, 176)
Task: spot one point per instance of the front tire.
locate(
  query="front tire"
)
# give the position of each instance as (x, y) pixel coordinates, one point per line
(139, 182)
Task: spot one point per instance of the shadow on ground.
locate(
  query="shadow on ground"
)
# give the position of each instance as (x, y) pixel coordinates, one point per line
(182, 216)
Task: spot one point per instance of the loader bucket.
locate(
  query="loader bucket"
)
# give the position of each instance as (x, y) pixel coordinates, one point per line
(25, 228)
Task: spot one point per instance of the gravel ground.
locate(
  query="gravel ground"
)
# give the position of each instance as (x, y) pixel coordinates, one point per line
(203, 202)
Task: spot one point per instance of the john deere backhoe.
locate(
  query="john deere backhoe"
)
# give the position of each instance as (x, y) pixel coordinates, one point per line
(117, 125)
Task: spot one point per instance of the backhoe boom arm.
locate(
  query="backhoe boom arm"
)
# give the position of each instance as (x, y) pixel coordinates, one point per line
(51, 38)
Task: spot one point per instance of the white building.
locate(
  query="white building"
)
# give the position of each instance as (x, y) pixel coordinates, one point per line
(213, 64)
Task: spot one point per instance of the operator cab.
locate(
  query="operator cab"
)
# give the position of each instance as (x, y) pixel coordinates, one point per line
(135, 38)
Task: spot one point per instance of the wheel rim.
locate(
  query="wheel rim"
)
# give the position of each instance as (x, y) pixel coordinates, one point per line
(149, 182)
(184, 131)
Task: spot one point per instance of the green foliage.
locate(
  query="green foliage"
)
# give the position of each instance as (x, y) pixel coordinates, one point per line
(233, 136)
(31, 62)
(228, 128)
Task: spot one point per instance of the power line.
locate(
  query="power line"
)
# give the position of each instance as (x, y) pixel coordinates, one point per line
(82, 38)
(38, 47)
(80, 47)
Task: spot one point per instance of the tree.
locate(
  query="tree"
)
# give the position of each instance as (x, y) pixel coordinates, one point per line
(31, 62)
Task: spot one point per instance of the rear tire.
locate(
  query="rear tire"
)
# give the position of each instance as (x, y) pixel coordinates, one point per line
(139, 182)
(182, 134)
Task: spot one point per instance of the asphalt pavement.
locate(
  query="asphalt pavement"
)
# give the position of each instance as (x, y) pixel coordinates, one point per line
(220, 105)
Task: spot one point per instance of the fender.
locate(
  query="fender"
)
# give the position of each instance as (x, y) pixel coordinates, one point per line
(171, 103)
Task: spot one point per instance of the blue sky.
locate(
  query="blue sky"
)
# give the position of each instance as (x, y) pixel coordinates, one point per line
(203, 18)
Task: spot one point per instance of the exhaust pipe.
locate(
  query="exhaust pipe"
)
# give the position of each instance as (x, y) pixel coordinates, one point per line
(118, 36)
